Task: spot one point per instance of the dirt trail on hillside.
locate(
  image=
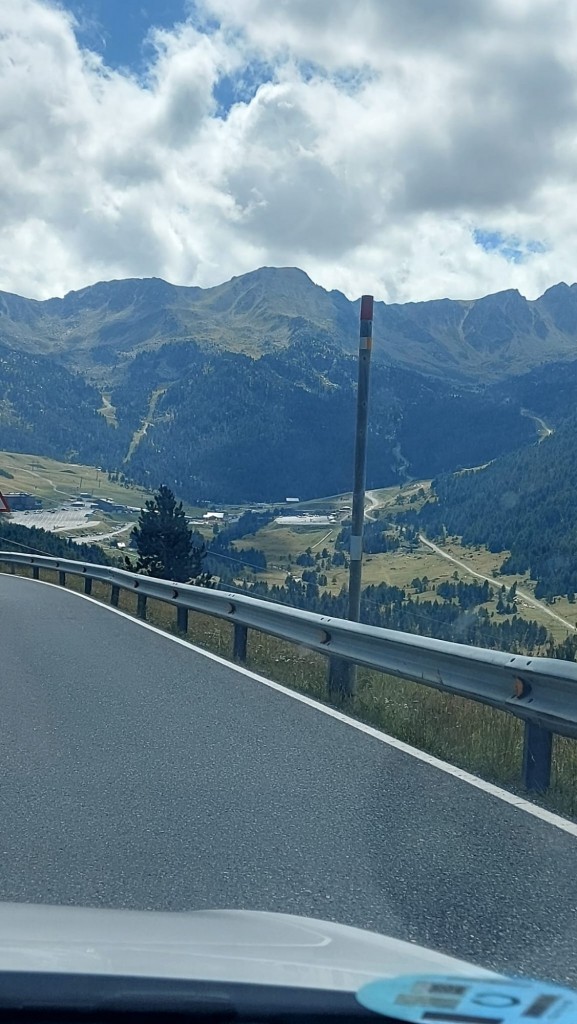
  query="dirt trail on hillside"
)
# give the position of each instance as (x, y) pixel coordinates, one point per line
(533, 601)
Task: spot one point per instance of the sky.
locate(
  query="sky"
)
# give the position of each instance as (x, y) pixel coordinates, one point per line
(413, 149)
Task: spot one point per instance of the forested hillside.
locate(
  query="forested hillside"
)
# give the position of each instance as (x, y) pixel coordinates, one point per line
(549, 390)
(524, 502)
(228, 427)
(47, 410)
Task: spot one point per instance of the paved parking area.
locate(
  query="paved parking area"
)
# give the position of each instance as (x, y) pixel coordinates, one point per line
(58, 520)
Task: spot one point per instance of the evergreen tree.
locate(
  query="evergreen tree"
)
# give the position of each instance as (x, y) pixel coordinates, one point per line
(165, 543)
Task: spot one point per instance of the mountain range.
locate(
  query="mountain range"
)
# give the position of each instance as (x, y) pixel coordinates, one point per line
(99, 328)
(246, 391)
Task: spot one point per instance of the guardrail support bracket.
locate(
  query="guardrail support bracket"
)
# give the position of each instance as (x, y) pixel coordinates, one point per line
(141, 606)
(537, 752)
(240, 642)
(341, 680)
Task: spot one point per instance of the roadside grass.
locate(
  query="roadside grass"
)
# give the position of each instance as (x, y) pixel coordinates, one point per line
(484, 741)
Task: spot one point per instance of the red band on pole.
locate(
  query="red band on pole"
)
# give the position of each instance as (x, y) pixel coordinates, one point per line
(367, 307)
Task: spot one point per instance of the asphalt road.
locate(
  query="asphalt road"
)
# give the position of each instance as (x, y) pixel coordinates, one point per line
(135, 772)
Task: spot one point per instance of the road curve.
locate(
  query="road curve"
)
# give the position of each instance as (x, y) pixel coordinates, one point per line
(371, 504)
(136, 772)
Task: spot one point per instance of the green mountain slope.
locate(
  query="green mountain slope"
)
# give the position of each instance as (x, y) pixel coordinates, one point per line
(246, 391)
(228, 427)
(48, 410)
(224, 426)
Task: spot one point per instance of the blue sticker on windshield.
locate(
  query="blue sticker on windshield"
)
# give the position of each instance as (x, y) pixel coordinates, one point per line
(450, 999)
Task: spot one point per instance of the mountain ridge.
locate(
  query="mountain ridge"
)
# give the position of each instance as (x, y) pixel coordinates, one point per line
(101, 326)
(246, 391)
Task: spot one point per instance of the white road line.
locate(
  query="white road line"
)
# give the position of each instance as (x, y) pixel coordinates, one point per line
(518, 802)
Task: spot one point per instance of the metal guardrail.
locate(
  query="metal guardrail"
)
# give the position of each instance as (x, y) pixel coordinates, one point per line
(541, 691)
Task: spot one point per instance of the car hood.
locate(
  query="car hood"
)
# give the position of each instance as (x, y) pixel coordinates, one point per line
(213, 945)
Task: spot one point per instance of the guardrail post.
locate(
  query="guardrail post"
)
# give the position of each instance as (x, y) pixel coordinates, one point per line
(182, 619)
(114, 595)
(87, 585)
(35, 571)
(537, 752)
(239, 642)
(13, 570)
(62, 578)
(141, 606)
(338, 681)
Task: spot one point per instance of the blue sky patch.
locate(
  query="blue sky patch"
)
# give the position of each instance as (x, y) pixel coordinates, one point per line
(116, 29)
(241, 87)
(510, 247)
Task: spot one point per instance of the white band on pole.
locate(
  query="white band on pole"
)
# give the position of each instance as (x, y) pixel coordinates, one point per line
(356, 549)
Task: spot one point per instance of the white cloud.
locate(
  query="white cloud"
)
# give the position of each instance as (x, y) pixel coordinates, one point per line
(386, 133)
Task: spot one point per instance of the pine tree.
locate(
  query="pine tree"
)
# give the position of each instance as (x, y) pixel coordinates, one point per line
(165, 543)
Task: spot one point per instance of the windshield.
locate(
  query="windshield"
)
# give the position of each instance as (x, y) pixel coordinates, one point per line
(288, 323)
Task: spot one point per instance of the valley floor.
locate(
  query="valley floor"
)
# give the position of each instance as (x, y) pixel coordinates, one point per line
(282, 545)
